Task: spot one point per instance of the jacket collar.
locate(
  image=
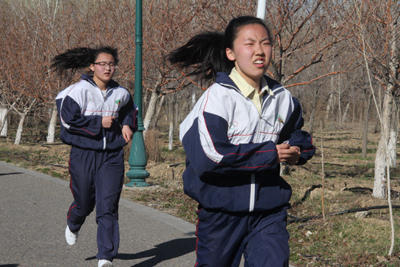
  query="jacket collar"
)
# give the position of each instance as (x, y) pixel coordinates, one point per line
(223, 78)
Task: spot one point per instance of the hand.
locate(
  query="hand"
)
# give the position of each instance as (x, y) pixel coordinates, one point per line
(287, 153)
(107, 121)
(127, 133)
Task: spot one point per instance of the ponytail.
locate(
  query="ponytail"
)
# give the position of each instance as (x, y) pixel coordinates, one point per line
(72, 60)
(203, 56)
(80, 57)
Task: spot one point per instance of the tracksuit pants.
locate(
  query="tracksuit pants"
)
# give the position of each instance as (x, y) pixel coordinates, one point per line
(96, 181)
(261, 237)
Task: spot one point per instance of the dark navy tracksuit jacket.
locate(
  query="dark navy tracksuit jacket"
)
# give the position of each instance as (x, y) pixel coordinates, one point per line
(96, 160)
(231, 159)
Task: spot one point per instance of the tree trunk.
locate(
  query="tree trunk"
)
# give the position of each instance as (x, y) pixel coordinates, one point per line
(176, 112)
(365, 127)
(312, 118)
(328, 107)
(377, 126)
(313, 108)
(330, 101)
(51, 132)
(22, 120)
(157, 116)
(20, 128)
(171, 124)
(380, 170)
(344, 117)
(389, 124)
(151, 109)
(3, 121)
(381, 155)
(339, 103)
(193, 98)
(393, 137)
(171, 135)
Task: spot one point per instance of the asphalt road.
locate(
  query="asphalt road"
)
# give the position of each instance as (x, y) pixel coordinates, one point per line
(33, 209)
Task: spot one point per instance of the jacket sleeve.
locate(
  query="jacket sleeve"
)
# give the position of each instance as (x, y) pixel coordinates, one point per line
(292, 132)
(208, 150)
(128, 114)
(74, 122)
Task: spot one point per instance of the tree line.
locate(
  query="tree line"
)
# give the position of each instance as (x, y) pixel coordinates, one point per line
(339, 58)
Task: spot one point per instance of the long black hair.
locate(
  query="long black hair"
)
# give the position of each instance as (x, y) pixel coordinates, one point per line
(204, 54)
(80, 57)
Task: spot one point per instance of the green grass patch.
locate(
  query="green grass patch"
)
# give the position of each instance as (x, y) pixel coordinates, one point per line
(56, 174)
(175, 152)
(44, 170)
(144, 197)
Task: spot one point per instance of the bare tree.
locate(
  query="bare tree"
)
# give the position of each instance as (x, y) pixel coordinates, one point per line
(377, 30)
(26, 109)
(167, 25)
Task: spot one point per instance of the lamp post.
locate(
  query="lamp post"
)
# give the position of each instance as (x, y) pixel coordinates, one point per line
(262, 4)
(137, 157)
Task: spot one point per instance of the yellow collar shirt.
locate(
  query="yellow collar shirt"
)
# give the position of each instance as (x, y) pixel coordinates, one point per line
(249, 91)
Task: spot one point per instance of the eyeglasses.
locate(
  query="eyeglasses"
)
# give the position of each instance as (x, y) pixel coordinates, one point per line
(103, 64)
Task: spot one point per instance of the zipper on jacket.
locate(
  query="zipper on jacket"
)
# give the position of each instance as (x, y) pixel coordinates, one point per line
(252, 192)
(104, 140)
(253, 175)
(104, 131)
(260, 118)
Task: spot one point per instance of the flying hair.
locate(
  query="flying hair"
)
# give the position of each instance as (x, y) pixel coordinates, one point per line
(78, 58)
(204, 55)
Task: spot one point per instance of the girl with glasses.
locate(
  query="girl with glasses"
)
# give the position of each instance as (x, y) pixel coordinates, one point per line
(98, 118)
(235, 138)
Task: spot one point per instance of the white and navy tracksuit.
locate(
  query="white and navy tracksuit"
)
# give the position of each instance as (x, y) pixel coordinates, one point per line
(97, 159)
(231, 171)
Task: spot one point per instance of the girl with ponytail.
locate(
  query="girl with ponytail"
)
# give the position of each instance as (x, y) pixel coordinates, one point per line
(235, 138)
(98, 118)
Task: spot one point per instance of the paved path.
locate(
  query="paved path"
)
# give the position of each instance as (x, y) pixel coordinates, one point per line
(33, 208)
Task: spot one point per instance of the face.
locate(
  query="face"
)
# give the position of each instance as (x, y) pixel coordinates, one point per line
(251, 52)
(103, 74)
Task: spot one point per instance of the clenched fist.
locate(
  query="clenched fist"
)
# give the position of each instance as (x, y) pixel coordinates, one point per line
(287, 153)
(107, 121)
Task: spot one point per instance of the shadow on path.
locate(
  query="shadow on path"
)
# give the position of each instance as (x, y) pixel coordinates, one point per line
(161, 252)
(10, 173)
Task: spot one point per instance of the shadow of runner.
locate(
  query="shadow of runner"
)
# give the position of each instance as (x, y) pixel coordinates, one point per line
(9, 265)
(10, 173)
(161, 252)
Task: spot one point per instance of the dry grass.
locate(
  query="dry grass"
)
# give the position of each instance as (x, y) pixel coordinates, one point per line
(341, 240)
(153, 145)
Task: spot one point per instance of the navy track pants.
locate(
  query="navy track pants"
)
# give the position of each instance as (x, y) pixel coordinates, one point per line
(96, 181)
(261, 237)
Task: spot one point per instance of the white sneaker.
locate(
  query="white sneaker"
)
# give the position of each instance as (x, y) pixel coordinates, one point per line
(105, 263)
(71, 237)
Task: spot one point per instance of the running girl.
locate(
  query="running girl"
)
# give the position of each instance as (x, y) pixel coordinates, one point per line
(235, 138)
(98, 118)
